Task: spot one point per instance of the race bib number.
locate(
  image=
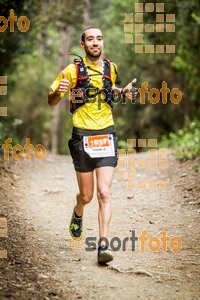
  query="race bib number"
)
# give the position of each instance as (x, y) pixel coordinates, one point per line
(99, 145)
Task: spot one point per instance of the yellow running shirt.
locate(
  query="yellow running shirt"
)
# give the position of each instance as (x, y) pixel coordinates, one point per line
(96, 115)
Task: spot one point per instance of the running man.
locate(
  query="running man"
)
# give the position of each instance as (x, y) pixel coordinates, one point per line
(93, 145)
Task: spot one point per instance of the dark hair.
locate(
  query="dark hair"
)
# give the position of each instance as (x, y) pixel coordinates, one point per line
(83, 34)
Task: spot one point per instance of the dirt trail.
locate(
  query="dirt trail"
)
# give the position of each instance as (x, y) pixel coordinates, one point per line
(37, 198)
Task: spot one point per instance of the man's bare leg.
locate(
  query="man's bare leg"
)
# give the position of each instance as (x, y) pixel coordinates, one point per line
(86, 190)
(86, 187)
(104, 181)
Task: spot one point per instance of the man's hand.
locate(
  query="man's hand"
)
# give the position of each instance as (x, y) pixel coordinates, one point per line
(64, 84)
(54, 97)
(130, 91)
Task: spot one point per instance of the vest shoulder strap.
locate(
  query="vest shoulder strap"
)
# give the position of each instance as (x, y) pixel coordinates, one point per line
(107, 68)
(81, 72)
(81, 68)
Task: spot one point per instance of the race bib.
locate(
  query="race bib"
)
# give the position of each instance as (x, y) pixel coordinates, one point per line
(99, 145)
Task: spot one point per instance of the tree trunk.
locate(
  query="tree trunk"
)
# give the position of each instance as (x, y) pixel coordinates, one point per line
(86, 13)
(44, 8)
(65, 44)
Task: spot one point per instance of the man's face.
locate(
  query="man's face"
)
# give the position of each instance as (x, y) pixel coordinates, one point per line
(93, 44)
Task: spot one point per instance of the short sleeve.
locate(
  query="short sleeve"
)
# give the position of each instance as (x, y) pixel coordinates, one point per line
(70, 74)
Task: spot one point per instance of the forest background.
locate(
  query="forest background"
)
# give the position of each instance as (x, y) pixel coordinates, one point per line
(31, 60)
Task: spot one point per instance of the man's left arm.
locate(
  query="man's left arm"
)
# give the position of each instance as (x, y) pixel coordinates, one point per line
(129, 91)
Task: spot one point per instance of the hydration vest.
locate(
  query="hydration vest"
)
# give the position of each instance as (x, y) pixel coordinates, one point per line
(84, 91)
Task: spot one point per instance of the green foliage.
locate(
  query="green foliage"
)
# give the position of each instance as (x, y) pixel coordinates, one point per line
(180, 70)
(13, 44)
(9, 128)
(186, 141)
(32, 80)
(31, 61)
(187, 39)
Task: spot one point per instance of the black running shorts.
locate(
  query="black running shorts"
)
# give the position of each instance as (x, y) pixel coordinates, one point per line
(81, 160)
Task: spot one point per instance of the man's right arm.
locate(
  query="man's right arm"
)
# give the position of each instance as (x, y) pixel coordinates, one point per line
(54, 97)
